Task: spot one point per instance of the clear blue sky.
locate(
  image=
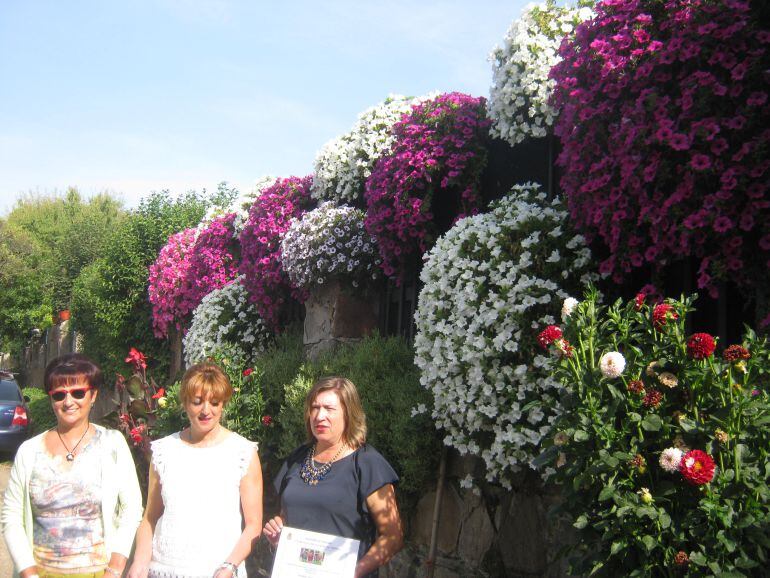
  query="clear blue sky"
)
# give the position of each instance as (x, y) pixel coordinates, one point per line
(132, 96)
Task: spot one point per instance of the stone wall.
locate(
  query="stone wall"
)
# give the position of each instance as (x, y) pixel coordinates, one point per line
(57, 340)
(334, 315)
(487, 534)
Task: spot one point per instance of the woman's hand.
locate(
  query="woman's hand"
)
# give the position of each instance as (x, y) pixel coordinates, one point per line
(272, 530)
(138, 570)
(223, 573)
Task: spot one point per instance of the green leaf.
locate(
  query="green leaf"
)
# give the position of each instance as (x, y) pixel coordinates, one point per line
(652, 422)
(649, 543)
(581, 522)
(134, 387)
(606, 493)
(665, 520)
(617, 547)
(581, 436)
(697, 558)
(687, 425)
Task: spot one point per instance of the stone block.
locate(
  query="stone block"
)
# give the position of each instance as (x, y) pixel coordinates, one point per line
(450, 520)
(478, 533)
(523, 539)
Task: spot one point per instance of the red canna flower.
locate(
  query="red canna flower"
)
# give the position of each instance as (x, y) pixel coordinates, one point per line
(248, 371)
(137, 359)
(160, 393)
(267, 420)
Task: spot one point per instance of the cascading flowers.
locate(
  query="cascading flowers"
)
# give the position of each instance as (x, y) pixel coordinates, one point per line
(214, 257)
(269, 218)
(344, 163)
(432, 173)
(486, 282)
(521, 88)
(225, 324)
(702, 418)
(665, 126)
(329, 243)
(169, 283)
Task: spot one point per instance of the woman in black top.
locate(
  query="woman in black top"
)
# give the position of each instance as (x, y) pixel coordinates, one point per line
(337, 484)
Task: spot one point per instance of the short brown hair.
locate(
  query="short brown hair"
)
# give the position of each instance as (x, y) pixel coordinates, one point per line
(206, 380)
(355, 418)
(71, 369)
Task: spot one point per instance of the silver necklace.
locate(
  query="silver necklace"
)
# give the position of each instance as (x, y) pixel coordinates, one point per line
(71, 452)
(311, 474)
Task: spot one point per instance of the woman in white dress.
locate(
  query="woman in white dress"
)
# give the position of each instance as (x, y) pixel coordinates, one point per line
(200, 480)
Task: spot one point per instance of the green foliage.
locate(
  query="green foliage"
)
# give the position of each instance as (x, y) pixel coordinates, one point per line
(110, 306)
(611, 438)
(388, 383)
(170, 418)
(40, 410)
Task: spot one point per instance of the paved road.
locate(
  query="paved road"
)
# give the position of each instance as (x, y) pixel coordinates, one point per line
(6, 566)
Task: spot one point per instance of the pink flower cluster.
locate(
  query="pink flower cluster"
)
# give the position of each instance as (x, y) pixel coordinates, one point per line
(435, 163)
(189, 268)
(214, 259)
(269, 217)
(168, 283)
(665, 126)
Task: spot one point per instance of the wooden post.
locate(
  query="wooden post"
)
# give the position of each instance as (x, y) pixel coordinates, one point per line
(176, 365)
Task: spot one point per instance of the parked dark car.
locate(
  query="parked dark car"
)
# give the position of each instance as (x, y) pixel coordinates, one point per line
(14, 418)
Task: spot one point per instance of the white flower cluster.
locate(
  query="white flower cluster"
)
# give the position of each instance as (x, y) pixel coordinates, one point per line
(518, 100)
(226, 324)
(329, 242)
(489, 283)
(344, 163)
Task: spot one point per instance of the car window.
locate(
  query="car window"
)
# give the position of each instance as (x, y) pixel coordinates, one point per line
(9, 391)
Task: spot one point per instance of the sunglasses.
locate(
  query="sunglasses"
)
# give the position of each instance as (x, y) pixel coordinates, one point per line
(79, 393)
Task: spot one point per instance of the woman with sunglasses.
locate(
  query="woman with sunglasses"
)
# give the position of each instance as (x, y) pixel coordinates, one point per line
(73, 502)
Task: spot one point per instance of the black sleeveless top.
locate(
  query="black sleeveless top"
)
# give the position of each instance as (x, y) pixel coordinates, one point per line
(337, 504)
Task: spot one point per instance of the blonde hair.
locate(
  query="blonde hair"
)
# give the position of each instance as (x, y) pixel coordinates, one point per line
(355, 418)
(206, 380)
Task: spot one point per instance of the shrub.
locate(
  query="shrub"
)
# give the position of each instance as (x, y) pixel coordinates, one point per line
(487, 282)
(40, 411)
(650, 411)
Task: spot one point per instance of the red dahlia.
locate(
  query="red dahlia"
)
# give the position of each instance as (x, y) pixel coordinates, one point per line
(636, 386)
(548, 336)
(639, 301)
(661, 315)
(652, 398)
(736, 353)
(681, 558)
(701, 346)
(697, 467)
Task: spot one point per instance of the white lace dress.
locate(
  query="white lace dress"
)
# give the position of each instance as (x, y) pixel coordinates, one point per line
(201, 520)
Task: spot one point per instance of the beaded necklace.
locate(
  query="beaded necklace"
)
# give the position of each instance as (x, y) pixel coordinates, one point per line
(311, 474)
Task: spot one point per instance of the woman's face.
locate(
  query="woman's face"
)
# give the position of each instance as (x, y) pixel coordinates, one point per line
(204, 412)
(327, 417)
(73, 409)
